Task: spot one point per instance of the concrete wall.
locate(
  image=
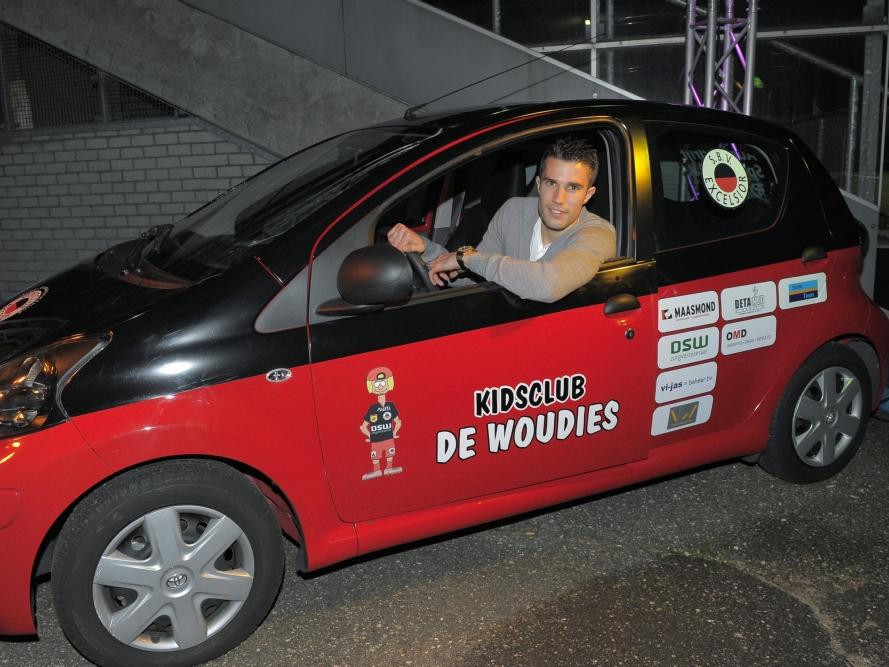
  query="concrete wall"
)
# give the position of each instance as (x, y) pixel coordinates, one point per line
(244, 84)
(411, 50)
(66, 195)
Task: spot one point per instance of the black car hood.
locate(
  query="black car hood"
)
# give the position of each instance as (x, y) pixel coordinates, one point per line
(80, 300)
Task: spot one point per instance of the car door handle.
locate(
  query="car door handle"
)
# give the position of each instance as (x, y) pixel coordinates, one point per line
(814, 252)
(621, 303)
(339, 308)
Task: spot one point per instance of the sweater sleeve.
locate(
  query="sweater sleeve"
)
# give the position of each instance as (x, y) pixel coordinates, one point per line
(552, 277)
(432, 250)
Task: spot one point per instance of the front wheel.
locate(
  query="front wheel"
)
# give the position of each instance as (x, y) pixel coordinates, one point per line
(821, 417)
(172, 564)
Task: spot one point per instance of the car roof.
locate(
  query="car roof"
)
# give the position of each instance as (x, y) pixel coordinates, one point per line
(636, 109)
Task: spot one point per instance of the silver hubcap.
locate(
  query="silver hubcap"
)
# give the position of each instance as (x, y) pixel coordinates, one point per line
(827, 416)
(173, 578)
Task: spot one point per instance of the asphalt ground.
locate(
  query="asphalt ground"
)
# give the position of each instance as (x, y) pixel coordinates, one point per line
(722, 566)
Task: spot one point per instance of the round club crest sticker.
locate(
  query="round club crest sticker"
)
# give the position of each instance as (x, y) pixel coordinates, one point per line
(724, 178)
(22, 302)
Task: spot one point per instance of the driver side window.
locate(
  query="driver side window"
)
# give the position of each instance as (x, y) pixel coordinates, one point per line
(453, 209)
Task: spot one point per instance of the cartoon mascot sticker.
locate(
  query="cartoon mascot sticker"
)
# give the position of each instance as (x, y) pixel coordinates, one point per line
(381, 423)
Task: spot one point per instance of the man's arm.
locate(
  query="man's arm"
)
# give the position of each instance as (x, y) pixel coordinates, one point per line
(549, 280)
(443, 267)
(407, 240)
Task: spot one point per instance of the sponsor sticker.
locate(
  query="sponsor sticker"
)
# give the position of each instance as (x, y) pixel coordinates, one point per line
(725, 178)
(22, 302)
(677, 416)
(381, 424)
(687, 347)
(749, 335)
(684, 382)
(748, 300)
(802, 290)
(682, 312)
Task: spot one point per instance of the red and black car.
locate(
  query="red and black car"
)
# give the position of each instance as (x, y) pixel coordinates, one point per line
(269, 366)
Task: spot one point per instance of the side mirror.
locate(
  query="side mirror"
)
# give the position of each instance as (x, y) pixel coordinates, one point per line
(377, 274)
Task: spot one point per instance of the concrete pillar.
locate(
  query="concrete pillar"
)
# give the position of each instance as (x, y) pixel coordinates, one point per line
(869, 169)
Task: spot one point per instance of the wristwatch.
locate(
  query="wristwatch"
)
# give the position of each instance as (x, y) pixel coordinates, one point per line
(462, 252)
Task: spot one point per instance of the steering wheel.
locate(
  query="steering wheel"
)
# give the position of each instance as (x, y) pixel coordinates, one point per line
(420, 270)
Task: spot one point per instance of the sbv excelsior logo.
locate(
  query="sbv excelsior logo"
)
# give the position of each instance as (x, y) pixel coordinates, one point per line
(724, 178)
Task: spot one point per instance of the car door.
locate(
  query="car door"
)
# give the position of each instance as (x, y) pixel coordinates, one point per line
(472, 391)
(739, 272)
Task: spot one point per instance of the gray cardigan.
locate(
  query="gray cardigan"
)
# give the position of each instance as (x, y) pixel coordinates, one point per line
(504, 253)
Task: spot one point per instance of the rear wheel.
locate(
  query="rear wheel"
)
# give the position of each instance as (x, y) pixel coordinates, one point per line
(821, 417)
(171, 564)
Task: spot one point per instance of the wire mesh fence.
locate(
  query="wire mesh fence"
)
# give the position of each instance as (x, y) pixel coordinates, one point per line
(44, 87)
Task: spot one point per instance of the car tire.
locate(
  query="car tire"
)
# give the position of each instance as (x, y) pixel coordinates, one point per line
(821, 417)
(171, 564)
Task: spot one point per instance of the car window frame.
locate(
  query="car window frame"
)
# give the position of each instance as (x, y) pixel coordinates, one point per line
(619, 198)
(622, 181)
(653, 128)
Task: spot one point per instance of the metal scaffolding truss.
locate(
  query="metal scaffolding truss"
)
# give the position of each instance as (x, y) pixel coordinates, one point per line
(704, 31)
(720, 54)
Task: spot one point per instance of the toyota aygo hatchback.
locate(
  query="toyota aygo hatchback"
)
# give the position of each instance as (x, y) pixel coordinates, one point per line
(269, 365)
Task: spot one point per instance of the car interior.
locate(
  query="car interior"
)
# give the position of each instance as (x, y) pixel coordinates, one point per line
(455, 209)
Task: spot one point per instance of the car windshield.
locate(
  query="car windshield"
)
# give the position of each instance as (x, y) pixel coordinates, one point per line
(269, 204)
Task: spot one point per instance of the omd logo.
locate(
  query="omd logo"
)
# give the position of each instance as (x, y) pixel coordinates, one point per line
(688, 347)
(754, 334)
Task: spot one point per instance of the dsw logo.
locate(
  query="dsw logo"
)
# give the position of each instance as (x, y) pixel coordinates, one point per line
(689, 344)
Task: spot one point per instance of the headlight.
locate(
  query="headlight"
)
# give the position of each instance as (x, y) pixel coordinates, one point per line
(31, 384)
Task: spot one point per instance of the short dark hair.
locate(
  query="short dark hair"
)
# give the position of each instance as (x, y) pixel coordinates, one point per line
(571, 149)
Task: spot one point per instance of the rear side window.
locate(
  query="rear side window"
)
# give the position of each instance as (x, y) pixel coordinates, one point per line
(713, 184)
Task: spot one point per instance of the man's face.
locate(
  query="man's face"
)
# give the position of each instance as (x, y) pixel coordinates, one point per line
(380, 386)
(564, 188)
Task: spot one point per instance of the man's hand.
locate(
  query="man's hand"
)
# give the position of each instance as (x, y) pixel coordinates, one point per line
(405, 240)
(444, 269)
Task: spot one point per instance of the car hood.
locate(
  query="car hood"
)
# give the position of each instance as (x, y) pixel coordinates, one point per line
(80, 300)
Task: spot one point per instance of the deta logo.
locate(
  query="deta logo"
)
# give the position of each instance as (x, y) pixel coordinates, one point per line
(689, 344)
(737, 334)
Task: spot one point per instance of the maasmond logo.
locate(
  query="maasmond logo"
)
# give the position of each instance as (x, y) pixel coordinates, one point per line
(682, 312)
